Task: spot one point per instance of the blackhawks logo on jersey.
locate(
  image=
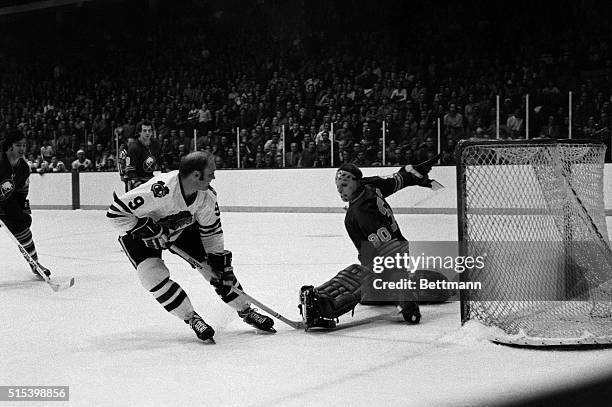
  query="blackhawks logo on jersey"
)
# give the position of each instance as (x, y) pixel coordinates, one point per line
(159, 189)
(6, 189)
(177, 221)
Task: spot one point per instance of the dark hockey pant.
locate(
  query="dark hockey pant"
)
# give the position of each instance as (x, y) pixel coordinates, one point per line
(20, 228)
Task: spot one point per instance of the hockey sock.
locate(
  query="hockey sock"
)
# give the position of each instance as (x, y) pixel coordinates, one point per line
(25, 239)
(155, 277)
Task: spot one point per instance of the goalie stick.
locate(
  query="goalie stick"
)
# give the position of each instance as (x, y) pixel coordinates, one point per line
(209, 275)
(55, 285)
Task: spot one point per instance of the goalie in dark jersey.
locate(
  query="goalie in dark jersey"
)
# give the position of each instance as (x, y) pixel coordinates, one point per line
(374, 231)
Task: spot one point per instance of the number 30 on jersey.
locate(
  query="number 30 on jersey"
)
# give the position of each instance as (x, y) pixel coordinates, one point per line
(383, 234)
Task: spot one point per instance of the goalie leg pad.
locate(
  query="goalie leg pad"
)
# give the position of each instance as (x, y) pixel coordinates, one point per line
(155, 278)
(434, 295)
(342, 292)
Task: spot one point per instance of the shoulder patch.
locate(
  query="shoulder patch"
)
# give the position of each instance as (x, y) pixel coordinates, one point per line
(6, 189)
(159, 189)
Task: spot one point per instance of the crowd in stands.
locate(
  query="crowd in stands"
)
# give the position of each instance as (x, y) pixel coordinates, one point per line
(247, 79)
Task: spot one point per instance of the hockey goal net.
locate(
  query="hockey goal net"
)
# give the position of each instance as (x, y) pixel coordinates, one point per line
(534, 210)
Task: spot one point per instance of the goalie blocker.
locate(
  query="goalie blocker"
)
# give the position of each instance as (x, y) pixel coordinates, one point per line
(321, 306)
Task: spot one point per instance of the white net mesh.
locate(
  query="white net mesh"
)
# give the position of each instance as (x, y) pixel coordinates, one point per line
(535, 211)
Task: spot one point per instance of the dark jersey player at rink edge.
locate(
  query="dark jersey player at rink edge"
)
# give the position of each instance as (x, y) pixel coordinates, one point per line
(374, 231)
(180, 208)
(142, 156)
(14, 187)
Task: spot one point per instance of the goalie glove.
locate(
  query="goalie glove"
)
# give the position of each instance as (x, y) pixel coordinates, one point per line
(153, 235)
(423, 168)
(421, 173)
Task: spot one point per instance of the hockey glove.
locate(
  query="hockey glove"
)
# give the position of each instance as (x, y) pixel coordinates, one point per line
(221, 264)
(153, 235)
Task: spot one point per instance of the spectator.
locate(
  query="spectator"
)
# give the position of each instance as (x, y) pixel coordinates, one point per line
(390, 152)
(269, 161)
(361, 160)
(347, 87)
(602, 129)
(515, 125)
(231, 160)
(399, 93)
(278, 160)
(293, 157)
(57, 165)
(379, 160)
(220, 164)
(324, 144)
(110, 164)
(309, 156)
(551, 129)
(322, 160)
(259, 160)
(43, 166)
(81, 163)
(453, 123)
(47, 151)
(345, 157)
(32, 163)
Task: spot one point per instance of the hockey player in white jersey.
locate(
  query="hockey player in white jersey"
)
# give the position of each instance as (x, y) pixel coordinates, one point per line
(180, 208)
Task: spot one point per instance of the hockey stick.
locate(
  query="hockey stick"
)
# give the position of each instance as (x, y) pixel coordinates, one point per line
(55, 286)
(209, 275)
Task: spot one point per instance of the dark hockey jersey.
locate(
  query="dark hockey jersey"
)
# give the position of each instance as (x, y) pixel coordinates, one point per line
(142, 160)
(369, 219)
(14, 186)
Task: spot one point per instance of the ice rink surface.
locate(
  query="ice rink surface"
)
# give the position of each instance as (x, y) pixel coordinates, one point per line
(112, 343)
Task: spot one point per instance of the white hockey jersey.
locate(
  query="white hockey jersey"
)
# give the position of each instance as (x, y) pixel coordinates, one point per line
(161, 198)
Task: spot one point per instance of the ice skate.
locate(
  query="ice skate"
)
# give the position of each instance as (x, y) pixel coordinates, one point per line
(307, 309)
(202, 330)
(261, 322)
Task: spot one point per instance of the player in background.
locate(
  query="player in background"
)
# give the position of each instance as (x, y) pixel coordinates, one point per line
(374, 231)
(143, 156)
(14, 187)
(180, 208)
(121, 165)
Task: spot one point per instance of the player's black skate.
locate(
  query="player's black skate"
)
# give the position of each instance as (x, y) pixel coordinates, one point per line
(411, 312)
(37, 269)
(308, 310)
(202, 330)
(261, 322)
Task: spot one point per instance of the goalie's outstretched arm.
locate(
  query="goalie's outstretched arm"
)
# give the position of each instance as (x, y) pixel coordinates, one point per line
(407, 175)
